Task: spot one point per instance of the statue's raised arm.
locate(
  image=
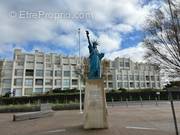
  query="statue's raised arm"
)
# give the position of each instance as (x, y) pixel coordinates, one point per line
(87, 33)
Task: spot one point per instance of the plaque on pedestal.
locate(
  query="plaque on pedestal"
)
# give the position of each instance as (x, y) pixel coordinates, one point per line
(95, 108)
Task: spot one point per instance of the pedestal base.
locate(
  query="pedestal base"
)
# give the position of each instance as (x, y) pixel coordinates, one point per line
(95, 108)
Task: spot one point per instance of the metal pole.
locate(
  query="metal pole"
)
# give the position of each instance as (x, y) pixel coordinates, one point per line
(173, 112)
(80, 91)
(126, 102)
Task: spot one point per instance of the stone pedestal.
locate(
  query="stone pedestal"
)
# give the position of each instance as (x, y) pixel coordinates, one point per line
(95, 108)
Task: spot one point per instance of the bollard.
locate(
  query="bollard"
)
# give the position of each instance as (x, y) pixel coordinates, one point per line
(126, 102)
(149, 98)
(156, 101)
(112, 102)
(141, 101)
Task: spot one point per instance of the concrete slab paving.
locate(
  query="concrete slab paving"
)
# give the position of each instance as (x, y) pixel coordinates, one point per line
(131, 120)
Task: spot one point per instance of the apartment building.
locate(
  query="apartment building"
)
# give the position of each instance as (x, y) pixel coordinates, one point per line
(124, 73)
(38, 72)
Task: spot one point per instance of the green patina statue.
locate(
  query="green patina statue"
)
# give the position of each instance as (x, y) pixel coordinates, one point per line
(94, 59)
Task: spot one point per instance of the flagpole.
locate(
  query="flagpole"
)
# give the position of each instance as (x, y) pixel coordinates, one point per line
(80, 90)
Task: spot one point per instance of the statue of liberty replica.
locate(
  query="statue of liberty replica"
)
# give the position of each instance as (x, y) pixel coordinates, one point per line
(95, 111)
(94, 59)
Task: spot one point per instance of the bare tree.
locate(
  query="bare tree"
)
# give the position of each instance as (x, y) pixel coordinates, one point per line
(162, 38)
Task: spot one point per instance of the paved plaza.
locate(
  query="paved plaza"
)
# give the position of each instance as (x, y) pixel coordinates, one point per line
(149, 119)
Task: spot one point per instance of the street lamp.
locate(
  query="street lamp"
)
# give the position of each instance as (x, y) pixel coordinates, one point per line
(80, 70)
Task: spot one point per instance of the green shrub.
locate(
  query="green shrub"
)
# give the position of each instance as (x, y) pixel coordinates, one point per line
(7, 94)
(19, 108)
(122, 90)
(65, 106)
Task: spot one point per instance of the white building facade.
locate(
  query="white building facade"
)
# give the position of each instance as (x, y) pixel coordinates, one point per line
(31, 73)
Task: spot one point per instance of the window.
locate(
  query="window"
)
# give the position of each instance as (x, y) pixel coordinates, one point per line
(18, 92)
(58, 73)
(153, 85)
(125, 77)
(119, 77)
(105, 85)
(30, 62)
(66, 82)
(120, 85)
(5, 90)
(136, 67)
(127, 64)
(6, 72)
(137, 77)
(147, 78)
(19, 63)
(48, 82)
(39, 63)
(131, 84)
(28, 82)
(126, 84)
(110, 84)
(29, 72)
(121, 64)
(39, 81)
(48, 65)
(39, 73)
(152, 78)
(28, 91)
(38, 90)
(58, 82)
(137, 84)
(131, 77)
(148, 84)
(74, 74)
(158, 85)
(67, 73)
(142, 84)
(158, 78)
(142, 77)
(47, 89)
(17, 82)
(48, 58)
(18, 72)
(6, 82)
(49, 73)
(110, 77)
(74, 82)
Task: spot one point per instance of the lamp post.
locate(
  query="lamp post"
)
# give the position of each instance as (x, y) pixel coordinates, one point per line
(80, 90)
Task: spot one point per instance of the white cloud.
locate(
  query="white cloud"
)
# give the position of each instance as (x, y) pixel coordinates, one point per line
(135, 53)
(111, 19)
(108, 44)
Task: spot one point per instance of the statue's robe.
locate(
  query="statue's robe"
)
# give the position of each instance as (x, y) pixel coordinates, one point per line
(94, 63)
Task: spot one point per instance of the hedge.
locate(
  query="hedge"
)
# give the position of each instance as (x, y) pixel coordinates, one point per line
(19, 108)
(32, 108)
(74, 97)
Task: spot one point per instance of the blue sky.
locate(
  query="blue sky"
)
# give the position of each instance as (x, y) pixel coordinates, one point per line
(52, 26)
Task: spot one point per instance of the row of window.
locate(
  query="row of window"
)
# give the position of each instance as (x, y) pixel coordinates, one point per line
(29, 82)
(133, 84)
(40, 73)
(137, 77)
